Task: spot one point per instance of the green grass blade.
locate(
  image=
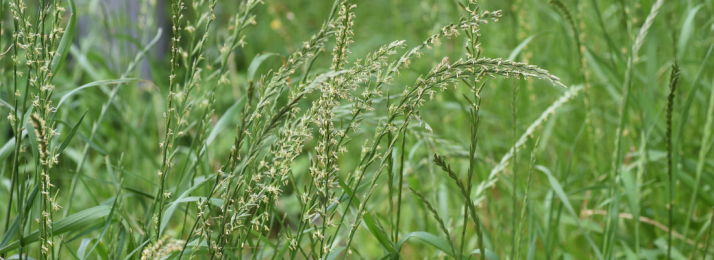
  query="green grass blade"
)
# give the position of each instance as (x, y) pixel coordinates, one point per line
(72, 223)
(128, 256)
(687, 29)
(520, 47)
(5, 103)
(71, 133)
(378, 233)
(709, 235)
(489, 254)
(558, 189)
(264, 239)
(255, 64)
(703, 152)
(106, 224)
(570, 94)
(94, 84)
(427, 237)
(170, 210)
(65, 42)
(225, 120)
(6, 149)
(15, 226)
(82, 250)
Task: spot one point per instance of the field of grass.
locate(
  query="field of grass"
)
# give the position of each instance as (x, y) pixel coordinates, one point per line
(356, 129)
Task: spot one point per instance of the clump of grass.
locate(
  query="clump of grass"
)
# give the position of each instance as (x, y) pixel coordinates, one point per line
(295, 167)
(43, 55)
(250, 181)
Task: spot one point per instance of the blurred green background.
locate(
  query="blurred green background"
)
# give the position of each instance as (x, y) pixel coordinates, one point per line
(532, 31)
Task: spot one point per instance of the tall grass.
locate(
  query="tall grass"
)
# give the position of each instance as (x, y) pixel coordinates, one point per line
(272, 129)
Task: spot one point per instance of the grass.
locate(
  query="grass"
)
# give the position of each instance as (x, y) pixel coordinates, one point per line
(274, 129)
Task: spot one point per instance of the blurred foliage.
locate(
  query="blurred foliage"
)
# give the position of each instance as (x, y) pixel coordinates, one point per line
(576, 153)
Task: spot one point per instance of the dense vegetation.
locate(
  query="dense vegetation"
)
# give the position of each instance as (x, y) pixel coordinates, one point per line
(413, 129)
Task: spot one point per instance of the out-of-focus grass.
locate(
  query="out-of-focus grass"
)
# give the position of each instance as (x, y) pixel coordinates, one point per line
(576, 180)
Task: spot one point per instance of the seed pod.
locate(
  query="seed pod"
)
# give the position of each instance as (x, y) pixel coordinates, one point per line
(42, 146)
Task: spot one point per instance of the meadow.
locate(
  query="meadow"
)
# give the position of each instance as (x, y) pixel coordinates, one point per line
(356, 129)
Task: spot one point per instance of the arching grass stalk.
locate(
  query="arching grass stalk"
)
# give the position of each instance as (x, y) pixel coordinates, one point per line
(440, 76)
(252, 178)
(235, 199)
(387, 76)
(244, 196)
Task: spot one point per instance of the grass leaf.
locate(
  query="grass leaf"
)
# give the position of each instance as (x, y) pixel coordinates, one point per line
(255, 64)
(225, 120)
(66, 41)
(558, 189)
(72, 223)
(71, 134)
(427, 237)
(94, 84)
(170, 210)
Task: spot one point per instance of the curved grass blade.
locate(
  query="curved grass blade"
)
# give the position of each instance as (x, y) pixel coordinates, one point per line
(255, 64)
(558, 190)
(5, 103)
(106, 224)
(170, 210)
(74, 222)
(687, 29)
(7, 149)
(94, 84)
(139, 247)
(520, 47)
(489, 255)
(427, 237)
(439, 243)
(225, 119)
(65, 42)
(378, 232)
(82, 251)
(16, 222)
(71, 133)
